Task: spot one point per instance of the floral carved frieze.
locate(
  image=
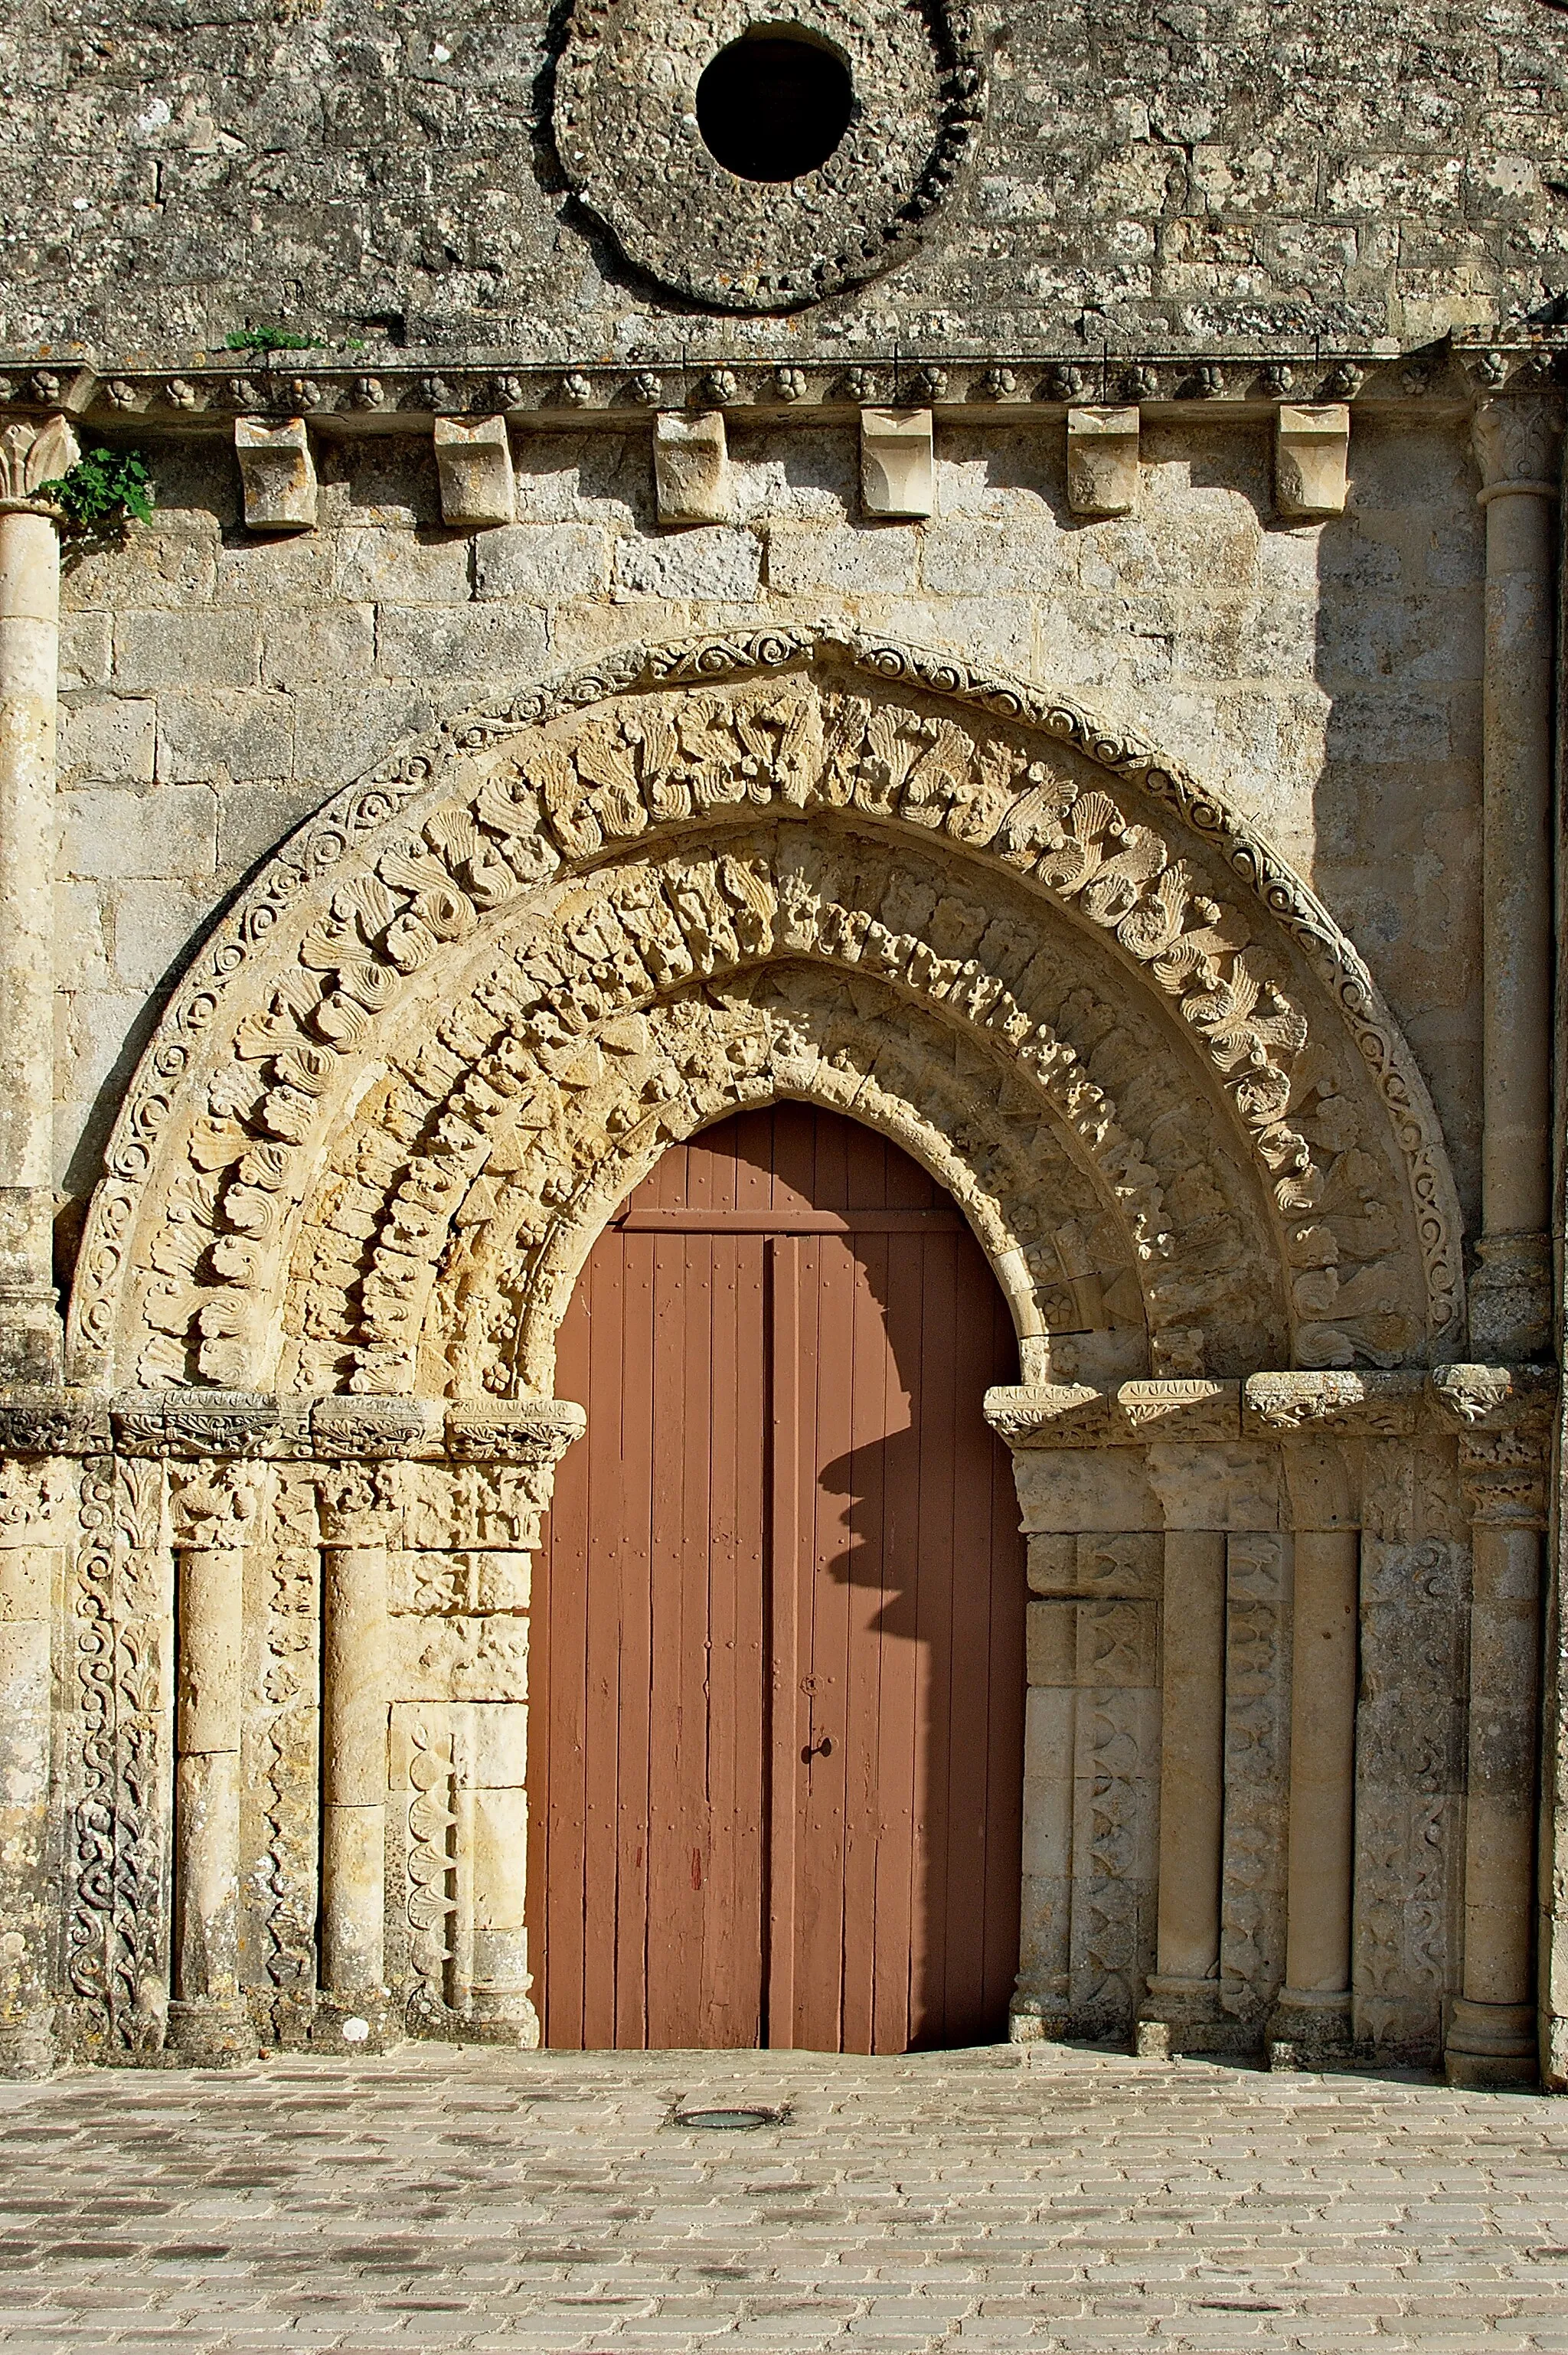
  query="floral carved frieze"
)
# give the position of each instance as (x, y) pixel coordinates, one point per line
(419, 898)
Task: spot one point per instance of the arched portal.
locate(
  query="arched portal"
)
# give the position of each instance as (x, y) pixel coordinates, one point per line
(404, 1088)
(776, 1677)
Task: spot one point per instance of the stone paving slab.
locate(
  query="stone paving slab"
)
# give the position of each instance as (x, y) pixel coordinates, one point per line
(1064, 2201)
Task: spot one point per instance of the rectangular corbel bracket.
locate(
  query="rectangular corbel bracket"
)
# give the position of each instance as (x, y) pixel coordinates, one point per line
(277, 473)
(1311, 448)
(1102, 461)
(896, 471)
(692, 468)
(475, 464)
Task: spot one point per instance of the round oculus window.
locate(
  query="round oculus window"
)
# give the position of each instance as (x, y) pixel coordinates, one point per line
(771, 106)
(756, 164)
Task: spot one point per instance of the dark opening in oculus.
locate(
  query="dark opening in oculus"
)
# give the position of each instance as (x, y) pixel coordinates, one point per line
(774, 105)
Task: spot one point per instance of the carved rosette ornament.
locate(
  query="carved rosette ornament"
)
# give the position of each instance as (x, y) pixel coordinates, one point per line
(627, 133)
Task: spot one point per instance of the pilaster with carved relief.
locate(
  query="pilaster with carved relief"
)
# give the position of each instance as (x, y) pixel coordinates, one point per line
(37, 1502)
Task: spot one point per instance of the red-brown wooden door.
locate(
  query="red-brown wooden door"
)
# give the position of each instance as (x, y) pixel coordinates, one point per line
(776, 1675)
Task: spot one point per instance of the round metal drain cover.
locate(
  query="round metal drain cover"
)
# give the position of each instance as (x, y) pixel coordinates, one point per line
(721, 2118)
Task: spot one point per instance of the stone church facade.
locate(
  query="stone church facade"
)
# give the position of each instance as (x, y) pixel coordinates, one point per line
(1032, 628)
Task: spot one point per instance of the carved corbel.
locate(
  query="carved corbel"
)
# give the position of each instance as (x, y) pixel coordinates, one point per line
(692, 468)
(1311, 453)
(896, 462)
(277, 473)
(475, 465)
(1102, 461)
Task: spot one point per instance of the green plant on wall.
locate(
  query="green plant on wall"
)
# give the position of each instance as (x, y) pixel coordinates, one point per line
(271, 339)
(103, 489)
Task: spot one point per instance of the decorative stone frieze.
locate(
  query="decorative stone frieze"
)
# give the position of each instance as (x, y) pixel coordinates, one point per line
(277, 473)
(896, 477)
(1103, 461)
(692, 468)
(1311, 453)
(474, 462)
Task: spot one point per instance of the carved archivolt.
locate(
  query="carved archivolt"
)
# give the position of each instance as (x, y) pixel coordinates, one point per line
(481, 991)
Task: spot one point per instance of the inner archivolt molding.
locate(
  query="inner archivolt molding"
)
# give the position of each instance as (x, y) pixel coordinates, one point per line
(527, 894)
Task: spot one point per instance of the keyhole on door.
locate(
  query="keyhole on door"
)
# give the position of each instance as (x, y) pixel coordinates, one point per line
(823, 1749)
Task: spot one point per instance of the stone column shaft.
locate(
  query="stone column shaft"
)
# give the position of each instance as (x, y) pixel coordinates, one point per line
(209, 1602)
(1322, 1764)
(211, 1509)
(354, 1762)
(1192, 1755)
(1492, 2034)
(29, 672)
(1515, 445)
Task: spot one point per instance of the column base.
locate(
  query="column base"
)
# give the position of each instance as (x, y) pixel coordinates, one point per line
(27, 2042)
(1181, 2015)
(1310, 2030)
(351, 2025)
(209, 2033)
(1491, 2044)
(1511, 1298)
(500, 2016)
(1036, 2018)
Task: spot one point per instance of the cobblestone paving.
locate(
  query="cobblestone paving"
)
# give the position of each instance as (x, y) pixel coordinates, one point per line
(1057, 2200)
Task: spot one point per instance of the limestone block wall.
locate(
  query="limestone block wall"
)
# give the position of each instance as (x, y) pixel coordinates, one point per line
(218, 685)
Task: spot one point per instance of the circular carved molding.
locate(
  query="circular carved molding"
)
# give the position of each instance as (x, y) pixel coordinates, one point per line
(626, 131)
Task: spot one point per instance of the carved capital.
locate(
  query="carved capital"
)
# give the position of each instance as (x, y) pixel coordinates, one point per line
(37, 1502)
(1516, 445)
(31, 454)
(213, 1505)
(1495, 1397)
(359, 1504)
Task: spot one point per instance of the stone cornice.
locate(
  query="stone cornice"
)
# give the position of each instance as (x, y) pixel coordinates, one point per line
(359, 395)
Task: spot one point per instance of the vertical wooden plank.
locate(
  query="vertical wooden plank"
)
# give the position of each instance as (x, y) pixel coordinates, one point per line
(623, 1556)
(868, 1581)
(939, 1311)
(787, 1539)
(725, 1974)
(819, 2008)
(900, 1649)
(751, 1697)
